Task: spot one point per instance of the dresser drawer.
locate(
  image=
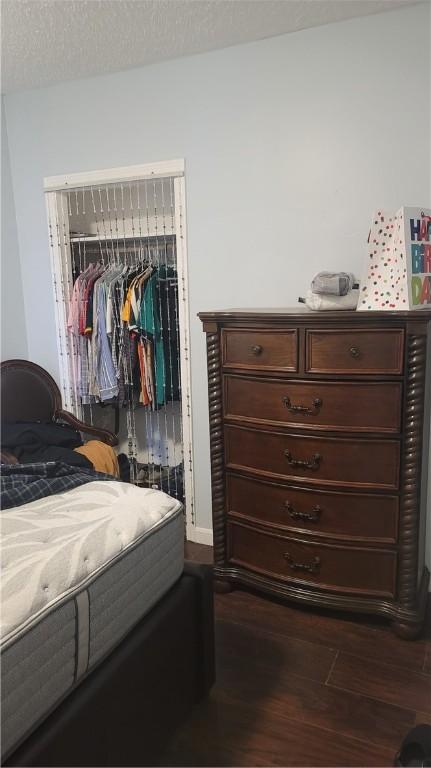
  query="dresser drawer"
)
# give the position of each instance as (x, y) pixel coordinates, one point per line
(272, 349)
(348, 406)
(361, 463)
(322, 513)
(355, 351)
(340, 569)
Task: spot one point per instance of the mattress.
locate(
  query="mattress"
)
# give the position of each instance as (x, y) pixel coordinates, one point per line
(79, 570)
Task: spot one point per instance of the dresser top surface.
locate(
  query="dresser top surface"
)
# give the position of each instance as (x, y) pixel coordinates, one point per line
(303, 314)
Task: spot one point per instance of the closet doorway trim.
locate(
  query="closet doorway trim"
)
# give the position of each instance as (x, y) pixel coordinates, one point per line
(162, 170)
(55, 188)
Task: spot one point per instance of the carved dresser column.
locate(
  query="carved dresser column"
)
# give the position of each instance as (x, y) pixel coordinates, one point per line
(215, 404)
(411, 593)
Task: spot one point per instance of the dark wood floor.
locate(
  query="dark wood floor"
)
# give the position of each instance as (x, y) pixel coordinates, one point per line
(300, 688)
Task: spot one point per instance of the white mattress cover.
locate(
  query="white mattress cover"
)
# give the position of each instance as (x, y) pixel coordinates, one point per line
(52, 547)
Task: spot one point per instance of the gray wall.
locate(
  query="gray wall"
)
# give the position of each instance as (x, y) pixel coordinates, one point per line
(13, 325)
(290, 144)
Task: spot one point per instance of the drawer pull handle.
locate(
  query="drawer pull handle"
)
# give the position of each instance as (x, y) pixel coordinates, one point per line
(312, 567)
(355, 352)
(257, 349)
(311, 517)
(317, 404)
(313, 463)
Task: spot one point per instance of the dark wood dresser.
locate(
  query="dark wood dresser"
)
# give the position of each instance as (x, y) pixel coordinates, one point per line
(319, 429)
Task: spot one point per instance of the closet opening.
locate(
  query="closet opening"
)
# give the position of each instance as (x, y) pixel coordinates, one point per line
(119, 267)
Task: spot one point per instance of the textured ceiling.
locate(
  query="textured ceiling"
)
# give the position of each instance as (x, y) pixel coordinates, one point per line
(49, 41)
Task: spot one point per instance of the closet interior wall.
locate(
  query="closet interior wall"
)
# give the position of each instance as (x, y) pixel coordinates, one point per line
(126, 234)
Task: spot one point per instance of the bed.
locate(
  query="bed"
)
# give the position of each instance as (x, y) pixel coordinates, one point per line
(90, 576)
(107, 635)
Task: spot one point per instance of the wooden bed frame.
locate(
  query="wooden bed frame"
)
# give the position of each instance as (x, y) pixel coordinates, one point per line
(123, 713)
(29, 393)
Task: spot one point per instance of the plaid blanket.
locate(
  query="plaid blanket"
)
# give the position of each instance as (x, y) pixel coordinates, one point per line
(22, 483)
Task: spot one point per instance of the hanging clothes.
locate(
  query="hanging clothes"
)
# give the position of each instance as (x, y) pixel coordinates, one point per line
(104, 378)
(144, 397)
(149, 323)
(124, 323)
(167, 291)
(74, 325)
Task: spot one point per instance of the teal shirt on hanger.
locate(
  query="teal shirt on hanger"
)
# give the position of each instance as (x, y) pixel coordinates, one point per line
(149, 321)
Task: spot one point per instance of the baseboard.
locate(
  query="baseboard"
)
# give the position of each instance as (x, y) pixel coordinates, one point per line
(200, 535)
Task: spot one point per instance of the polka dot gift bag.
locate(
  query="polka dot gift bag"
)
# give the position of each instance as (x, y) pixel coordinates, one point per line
(398, 267)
